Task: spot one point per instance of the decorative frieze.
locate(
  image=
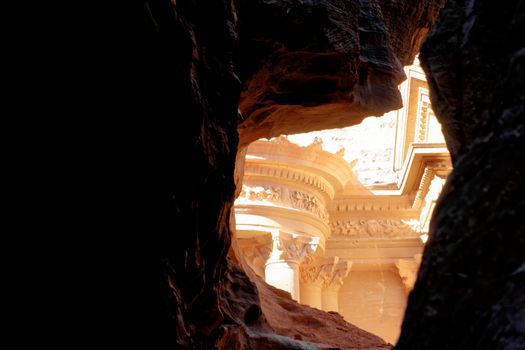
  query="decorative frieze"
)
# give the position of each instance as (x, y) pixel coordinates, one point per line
(365, 228)
(261, 193)
(289, 174)
(286, 197)
(255, 252)
(424, 114)
(303, 201)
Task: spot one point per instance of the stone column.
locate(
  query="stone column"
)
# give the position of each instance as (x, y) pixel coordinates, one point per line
(332, 282)
(288, 252)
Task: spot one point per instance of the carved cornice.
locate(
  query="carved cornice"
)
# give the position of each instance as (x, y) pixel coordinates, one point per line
(292, 247)
(381, 227)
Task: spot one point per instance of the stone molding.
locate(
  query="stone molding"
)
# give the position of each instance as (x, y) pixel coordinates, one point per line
(423, 115)
(370, 204)
(256, 250)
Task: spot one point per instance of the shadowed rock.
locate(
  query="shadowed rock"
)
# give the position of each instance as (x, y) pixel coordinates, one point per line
(294, 66)
(471, 285)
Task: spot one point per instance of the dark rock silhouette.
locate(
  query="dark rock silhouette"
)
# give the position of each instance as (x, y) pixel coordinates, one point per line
(471, 285)
(289, 66)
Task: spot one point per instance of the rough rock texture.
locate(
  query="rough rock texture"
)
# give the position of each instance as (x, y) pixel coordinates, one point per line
(470, 292)
(291, 319)
(197, 57)
(324, 64)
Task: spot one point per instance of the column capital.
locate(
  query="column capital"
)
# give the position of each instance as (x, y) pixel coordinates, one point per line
(256, 251)
(328, 273)
(335, 280)
(293, 247)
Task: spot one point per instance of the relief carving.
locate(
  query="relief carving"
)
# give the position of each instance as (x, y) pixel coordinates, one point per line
(260, 193)
(309, 203)
(375, 228)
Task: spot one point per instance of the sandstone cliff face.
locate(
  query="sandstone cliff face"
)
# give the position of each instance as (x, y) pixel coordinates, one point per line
(324, 64)
(470, 292)
(299, 66)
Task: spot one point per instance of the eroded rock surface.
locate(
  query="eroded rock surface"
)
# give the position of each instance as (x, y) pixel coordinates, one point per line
(303, 65)
(324, 64)
(471, 286)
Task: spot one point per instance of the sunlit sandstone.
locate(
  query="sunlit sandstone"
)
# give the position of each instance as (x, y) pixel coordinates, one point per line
(338, 218)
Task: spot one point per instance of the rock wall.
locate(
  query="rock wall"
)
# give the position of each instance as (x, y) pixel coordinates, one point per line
(291, 66)
(470, 291)
(324, 64)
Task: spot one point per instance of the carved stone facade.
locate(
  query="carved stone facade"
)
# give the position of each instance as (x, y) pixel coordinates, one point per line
(376, 228)
(339, 218)
(260, 193)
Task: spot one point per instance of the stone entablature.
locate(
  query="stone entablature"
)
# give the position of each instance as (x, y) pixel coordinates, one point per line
(284, 196)
(309, 165)
(378, 228)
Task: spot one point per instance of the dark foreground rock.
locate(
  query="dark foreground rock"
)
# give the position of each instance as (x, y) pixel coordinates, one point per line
(471, 285)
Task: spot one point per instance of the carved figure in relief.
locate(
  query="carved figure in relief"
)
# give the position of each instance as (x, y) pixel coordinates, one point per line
(260, 193)
(373, 228)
